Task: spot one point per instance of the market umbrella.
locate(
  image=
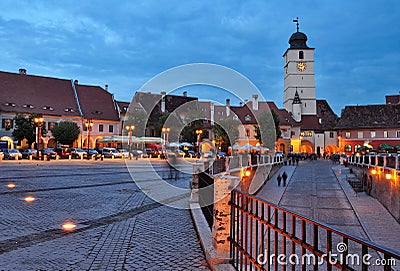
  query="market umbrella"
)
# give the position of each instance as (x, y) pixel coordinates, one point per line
(385, 147)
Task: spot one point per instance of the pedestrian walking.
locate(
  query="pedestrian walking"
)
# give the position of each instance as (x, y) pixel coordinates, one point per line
(284, 177)
(297, 161)
(279, 178)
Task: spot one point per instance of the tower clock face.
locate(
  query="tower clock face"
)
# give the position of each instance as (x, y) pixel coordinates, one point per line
(301, 66)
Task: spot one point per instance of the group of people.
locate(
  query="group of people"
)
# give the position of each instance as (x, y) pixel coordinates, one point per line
(283, 177)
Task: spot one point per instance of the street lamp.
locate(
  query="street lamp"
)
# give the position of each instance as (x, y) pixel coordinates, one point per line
(198, 133)
(89, 125)
(130, 128)
(38, 123)
(165, 132)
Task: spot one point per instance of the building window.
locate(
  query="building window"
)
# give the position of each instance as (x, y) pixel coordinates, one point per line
(301, 55)
(331, 134)
(7, 124)
(302, 134)
(248, 132)
(347, 135)
(111, 128)
(397, 133)
(360, 134)
(385, 134)
(101, 127)
(309, 134)
(373, 134)
(247, 118)
(356, 147)
(347, 148)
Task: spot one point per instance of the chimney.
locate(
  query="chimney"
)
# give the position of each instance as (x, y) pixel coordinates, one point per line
(106, 87)
(255, 102)
(240, 104)
(185, 94)
(75, 82)
(228, 105)
(22, 71)
(163, 93)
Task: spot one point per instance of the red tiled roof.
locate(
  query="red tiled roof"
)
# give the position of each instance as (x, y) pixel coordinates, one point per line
(392, 99)
(96, 103)
(23, 93)
(370, 116)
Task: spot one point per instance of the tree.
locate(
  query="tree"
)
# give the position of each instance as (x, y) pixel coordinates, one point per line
(25, 128)
(66, 132)
(226, 131)
(264, 132)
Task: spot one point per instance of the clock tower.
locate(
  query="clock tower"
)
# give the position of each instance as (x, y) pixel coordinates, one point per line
(299, 77)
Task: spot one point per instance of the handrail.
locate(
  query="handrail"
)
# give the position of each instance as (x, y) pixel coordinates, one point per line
(255, 224)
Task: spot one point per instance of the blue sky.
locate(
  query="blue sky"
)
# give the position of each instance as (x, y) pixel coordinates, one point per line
(126, 43)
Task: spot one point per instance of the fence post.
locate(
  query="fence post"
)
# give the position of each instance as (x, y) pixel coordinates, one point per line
(223, 185)
(194, 197)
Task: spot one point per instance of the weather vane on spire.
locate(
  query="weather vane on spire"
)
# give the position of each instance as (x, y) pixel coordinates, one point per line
(297, 23)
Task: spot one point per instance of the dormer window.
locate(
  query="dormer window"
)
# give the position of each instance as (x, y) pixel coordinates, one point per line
(247, 118)
(28, 106)
(97, 112)
(10, 104)
(48, 108)
(69, 109)
(301, 55)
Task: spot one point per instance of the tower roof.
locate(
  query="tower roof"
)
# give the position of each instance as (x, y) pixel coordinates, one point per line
(296, 99)
(298, 40)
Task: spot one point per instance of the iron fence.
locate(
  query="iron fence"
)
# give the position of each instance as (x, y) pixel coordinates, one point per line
(265, 236)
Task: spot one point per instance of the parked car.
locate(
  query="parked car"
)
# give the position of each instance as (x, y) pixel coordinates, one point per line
(111, 153)
(220, 155)
(26, 153)
(63, 152)
(78, 153)
(50, 153)
(137, 152)
(12, 154)
(125, 153)
(92, 153)
(207, 154)
(191, 153)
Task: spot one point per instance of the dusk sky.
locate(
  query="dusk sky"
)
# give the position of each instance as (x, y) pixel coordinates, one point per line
(125, 43)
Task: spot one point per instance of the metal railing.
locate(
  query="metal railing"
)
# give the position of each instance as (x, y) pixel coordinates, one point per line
(386, 161)
(265, 236)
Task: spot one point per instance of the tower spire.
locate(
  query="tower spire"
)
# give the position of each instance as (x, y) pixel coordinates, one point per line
(297, 23)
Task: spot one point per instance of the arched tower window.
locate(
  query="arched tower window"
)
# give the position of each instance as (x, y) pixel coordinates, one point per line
(301, 55)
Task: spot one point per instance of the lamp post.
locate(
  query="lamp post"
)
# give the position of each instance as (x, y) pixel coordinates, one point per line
(38, 123)
(130, 129)
(198, 133)
(89, 125)
(165, 132)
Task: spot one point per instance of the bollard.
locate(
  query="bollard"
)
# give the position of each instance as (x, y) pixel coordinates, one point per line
(30, 157)
(69, 157)
(57, 157)
(16, 157)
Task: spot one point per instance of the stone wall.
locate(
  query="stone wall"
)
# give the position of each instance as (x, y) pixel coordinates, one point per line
(386, 191)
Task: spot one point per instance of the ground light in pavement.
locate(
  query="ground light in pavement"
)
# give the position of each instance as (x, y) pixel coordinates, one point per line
(223, 81)
(69, 226)
(11, 185)
(29, 198)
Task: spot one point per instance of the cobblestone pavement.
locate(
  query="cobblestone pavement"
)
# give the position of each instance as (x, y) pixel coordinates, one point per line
(118, 226)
